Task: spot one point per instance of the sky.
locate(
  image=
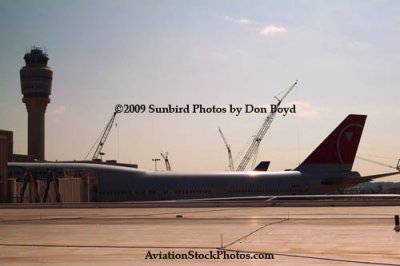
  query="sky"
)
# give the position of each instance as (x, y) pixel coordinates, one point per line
(344, 55)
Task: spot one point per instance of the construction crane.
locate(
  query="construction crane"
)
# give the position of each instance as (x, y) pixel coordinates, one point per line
(255, 142)
(97, 154)
(228, 147)
(167, 164)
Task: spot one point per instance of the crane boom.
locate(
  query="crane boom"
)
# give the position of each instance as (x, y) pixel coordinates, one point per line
(167, 164)
(255, 143)
(228, 147)
(104, 136)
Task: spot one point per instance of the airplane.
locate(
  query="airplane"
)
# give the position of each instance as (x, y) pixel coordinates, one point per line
(327, 169)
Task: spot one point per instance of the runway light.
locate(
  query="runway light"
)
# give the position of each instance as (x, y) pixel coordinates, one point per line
(397, 223)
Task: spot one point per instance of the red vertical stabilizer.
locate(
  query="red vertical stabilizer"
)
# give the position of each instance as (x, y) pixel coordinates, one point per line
(338, 150)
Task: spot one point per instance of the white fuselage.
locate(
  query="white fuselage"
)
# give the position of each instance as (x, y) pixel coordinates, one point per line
(116, 183)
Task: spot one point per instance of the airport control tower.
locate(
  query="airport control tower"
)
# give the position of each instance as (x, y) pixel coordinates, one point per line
(36, 78)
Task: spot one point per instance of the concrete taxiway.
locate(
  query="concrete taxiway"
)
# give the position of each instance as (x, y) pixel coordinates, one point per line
(125, 236)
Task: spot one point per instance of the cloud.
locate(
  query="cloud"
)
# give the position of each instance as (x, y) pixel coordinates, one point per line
(360, 46)
(272, 30)
(59, 110)
(57, 114)
(243, 21)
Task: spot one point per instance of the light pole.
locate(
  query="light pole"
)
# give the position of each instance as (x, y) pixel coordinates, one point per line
(155, 163)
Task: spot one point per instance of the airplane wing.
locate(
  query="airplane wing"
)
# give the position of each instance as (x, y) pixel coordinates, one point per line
(371, 177)
(296, 197)
(355, 180)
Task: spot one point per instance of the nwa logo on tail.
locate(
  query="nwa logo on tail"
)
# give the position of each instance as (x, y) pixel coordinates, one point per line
(338, 151)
